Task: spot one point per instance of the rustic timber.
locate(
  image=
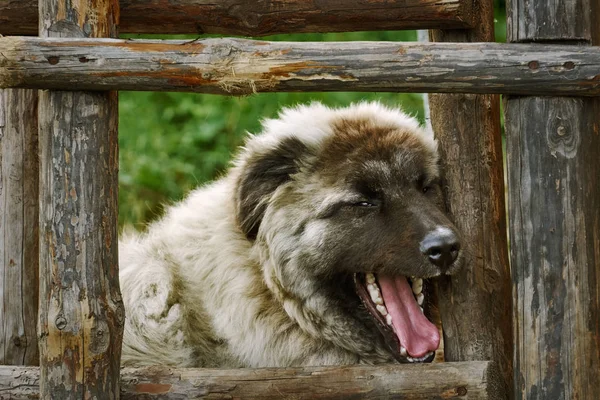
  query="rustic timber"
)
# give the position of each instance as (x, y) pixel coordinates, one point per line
(554, 198)
(475, 304)
(81, 312)
(239, 66)
(259, 18)
(19, 245)
(553, 151)
(530, 22)
(466, 380)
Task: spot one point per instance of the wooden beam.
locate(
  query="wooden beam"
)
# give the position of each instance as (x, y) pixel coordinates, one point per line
(470, 380)
(238, 66)
(259, 18)
(475, 304)
(552, 22)
(81, 311)
(553, 148)
(19, 271)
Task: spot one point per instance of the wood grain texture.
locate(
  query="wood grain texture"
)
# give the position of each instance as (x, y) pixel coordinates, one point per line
(475, 303)
(238, 66)
(81, 312)
(551, 21)
(19, 271)
(427, 381)
(554, 198)
(263, 17)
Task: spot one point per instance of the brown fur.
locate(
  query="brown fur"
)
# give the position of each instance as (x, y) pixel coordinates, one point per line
(257, 269)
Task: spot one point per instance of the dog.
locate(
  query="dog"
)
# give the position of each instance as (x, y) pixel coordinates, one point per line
(311, 250)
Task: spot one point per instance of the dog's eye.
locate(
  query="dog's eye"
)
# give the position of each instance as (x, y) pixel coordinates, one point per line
(365, 204)
(427, 187)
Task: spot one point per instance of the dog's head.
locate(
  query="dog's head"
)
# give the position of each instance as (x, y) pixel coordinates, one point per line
(346, 211)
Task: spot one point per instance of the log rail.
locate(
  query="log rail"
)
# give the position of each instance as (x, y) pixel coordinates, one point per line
(240, 66)
(460, 380)
(259, 18)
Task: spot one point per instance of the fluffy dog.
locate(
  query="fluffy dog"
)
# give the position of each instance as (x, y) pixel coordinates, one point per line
(310, 251)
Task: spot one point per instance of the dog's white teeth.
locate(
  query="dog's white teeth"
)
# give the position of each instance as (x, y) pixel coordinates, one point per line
(388, 319)
(370, 278)
(417, 285)
(375, 293)
(403, 351)
(420, 297)
(418, 359)
(422, 312)
(382, 310)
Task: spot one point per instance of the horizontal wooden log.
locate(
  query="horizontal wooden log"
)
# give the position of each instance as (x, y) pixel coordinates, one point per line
(259, 18)
(459, 380)
(238, 66)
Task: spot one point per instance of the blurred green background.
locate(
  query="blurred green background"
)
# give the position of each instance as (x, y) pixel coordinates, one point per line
(172, 142)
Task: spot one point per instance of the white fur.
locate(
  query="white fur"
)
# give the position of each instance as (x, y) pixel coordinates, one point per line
(198, 252)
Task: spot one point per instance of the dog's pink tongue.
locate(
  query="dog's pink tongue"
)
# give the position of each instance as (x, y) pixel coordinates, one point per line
(416, 333)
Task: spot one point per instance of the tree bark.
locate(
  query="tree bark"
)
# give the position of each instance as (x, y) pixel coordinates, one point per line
(472, 380)
(553, 145)
(19, 271)
(259, 18)
(554, 198)
(475, 304)
(81, 312)
(238, 66)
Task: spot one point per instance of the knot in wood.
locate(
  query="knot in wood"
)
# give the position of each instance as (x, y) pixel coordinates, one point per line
(562, 137)
(19, 341)
(461, 391)
(100, 337)
(533, 65)
(60, 322)
(53, 60)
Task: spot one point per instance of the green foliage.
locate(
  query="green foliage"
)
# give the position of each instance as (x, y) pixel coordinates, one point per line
(173, 142)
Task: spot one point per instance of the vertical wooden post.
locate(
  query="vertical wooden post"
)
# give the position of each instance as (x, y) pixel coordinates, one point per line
(81, 310)
(18, 227)
(475, 304)
(553, 146)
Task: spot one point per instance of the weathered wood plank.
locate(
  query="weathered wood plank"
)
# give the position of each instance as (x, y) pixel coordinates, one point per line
(259, 18)
(81, 312)
(475, 304)
(19, 270)
(466, 380)
(554, 198)
(527, 21)
(238, 66)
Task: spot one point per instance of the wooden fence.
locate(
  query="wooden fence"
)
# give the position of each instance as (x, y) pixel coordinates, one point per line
(531, 333)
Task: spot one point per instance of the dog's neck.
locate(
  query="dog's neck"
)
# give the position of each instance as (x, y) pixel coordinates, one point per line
(308, 302)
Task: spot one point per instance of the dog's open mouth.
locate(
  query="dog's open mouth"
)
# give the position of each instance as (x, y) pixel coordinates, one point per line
(395, 302)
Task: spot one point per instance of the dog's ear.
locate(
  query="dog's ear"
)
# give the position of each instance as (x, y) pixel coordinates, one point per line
(261, 174)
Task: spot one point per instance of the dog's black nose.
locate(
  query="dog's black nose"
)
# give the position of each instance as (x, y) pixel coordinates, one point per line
(441, 247)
